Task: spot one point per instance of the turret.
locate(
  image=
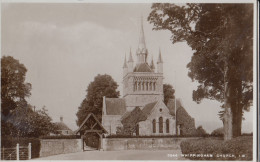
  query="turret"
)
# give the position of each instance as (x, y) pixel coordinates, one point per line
(160, 63)
(130, 62)
(152, 65)
(125, 68)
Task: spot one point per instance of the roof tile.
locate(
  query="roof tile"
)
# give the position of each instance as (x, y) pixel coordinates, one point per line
(115, 106)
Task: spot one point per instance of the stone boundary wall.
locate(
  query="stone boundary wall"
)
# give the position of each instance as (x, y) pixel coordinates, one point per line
(59, 146)
(116, 144)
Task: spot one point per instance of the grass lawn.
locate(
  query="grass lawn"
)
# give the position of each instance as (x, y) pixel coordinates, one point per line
(240, 148)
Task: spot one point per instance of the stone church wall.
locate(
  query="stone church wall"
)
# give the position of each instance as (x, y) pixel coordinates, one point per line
(111, 122)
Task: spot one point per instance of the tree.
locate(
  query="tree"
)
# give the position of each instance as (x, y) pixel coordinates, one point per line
(200, 131)
(14, 90)
(218, 132)
(168, 92)
(221, 36)
(103, 85)
(13, 86)
(24, 122)
(17, 117)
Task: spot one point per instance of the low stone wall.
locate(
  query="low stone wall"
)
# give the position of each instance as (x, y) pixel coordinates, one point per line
(115, 144)
(59, 146)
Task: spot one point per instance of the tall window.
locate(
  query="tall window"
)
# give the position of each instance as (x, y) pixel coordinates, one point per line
(137, 129)
(154, 126)
(167, 126)
(160, 125)
(139, 86)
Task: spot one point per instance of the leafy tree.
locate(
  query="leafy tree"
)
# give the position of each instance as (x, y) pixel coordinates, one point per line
(218, 132)
(17, 116)
(221, 36)
(200, 131)
(168, 92)
(13, 86)
(103, 85)
(24, 122)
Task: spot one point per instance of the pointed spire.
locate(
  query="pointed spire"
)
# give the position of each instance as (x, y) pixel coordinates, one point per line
(152, 64)
(142, 45)
(130, 59)
(125, 65)
(160, 57)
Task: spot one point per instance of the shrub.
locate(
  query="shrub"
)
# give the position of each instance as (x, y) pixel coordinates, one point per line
(238, 146)
(218, 132)
(61, 137)
(200, 132)
(9, 142)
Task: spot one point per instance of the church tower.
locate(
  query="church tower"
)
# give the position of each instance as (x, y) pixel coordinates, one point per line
(141, 83)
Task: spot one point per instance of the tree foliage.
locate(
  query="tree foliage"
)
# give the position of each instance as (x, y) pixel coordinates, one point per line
(17, 117)
(103, 85)
(168, 92)
(25, 122)
(221, 35)
(13, 86)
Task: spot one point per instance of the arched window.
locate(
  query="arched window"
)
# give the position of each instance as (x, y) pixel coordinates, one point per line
(154, 126)
(139, 86)
(137, 129)
(154, 87)
(147, 86)
(160, 125)
(167, 126)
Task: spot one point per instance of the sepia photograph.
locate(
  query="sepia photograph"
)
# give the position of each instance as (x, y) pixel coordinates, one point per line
(85, 80)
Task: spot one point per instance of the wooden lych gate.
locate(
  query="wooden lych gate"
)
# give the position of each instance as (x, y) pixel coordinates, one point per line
(89, 129)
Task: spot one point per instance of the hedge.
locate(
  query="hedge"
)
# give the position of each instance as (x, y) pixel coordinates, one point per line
(10, 142)
(237, 147)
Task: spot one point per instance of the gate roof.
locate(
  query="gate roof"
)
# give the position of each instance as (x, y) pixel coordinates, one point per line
(97, 123)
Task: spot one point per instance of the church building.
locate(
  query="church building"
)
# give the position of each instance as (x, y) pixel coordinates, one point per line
(142, 96)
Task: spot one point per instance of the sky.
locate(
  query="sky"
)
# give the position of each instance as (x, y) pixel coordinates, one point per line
(64, 46)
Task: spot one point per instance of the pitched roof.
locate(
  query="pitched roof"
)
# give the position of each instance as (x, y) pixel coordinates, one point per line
(62, 126)
(115, 106)
(148, 108)
(142, 67)
(125, 115)
(171, 106)
(134, 116)
(86, 119)
(183, 116)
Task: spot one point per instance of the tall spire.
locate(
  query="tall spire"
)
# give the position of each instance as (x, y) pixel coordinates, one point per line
(130, 59)
(125, 65)
(141, 50)
(142, 45)
(160, 57)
